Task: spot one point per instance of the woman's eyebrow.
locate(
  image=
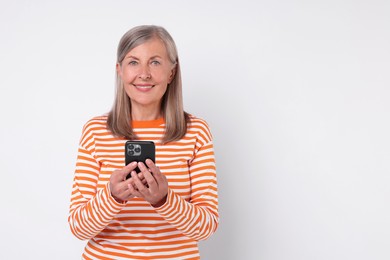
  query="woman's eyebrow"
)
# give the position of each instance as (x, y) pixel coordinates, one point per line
(155, 56)
(135, 58)
(131, 57)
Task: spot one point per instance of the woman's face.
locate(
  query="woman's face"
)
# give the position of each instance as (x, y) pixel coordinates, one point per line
(146, 72)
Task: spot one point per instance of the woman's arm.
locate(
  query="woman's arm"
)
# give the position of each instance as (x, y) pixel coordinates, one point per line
(199, 217)
(91, 209)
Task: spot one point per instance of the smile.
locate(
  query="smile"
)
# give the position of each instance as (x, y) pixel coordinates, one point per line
(144, 86)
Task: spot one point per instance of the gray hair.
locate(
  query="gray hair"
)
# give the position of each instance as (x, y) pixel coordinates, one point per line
(141, 34)
(119, 118)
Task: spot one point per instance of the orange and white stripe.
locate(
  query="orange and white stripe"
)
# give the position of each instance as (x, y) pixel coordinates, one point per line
(136, 230)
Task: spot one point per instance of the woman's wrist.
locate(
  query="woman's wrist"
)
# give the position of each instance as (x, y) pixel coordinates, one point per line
(118, 200)
(161, 202)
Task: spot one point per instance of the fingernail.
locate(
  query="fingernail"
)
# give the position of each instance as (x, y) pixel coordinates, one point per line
(133, 163)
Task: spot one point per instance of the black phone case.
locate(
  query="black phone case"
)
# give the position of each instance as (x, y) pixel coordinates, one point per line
(147, 151)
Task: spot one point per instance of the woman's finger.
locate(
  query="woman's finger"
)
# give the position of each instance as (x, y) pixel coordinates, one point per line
(151, 182)
(133, 191)
(139, 185)
(150, 164)
(158, 176)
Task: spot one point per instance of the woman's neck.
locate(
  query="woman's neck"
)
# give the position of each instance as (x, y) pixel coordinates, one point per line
(145, 113)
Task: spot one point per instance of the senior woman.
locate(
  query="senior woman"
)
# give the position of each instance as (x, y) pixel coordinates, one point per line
(163, 210)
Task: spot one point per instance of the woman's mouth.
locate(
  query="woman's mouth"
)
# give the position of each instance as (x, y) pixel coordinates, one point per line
(144, 87)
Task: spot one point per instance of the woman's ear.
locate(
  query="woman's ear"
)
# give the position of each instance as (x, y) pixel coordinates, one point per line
(173, 72)
(118, 69)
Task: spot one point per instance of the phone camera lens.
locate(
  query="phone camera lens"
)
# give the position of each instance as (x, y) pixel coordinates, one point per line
(131, 147)
(137, 150)
(131, 152)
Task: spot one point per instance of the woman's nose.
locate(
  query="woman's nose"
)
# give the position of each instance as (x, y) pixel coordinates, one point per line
(144, 73)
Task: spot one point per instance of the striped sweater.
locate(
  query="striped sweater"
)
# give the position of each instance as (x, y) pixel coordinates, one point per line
(135, 229)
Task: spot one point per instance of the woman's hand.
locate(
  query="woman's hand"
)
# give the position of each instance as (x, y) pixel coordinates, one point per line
(156, 188)
(119, 184)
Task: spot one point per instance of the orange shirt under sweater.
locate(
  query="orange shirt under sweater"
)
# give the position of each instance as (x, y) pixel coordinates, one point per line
(136, 230)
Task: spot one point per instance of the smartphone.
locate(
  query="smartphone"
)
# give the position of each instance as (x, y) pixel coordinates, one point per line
(139, 151)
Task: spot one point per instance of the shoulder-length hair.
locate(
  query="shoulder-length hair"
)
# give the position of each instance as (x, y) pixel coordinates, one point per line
(176, 119)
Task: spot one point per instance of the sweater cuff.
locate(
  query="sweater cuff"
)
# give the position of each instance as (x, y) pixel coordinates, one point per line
(169, 204)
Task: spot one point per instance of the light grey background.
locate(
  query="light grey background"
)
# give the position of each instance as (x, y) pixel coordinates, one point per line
(296, 93)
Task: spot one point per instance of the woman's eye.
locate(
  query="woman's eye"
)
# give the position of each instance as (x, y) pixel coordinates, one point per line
(155, 62)
(133, 62)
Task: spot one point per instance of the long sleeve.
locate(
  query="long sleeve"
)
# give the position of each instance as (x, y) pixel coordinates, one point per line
(135, 229)
(91, 208)
(197, 218)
